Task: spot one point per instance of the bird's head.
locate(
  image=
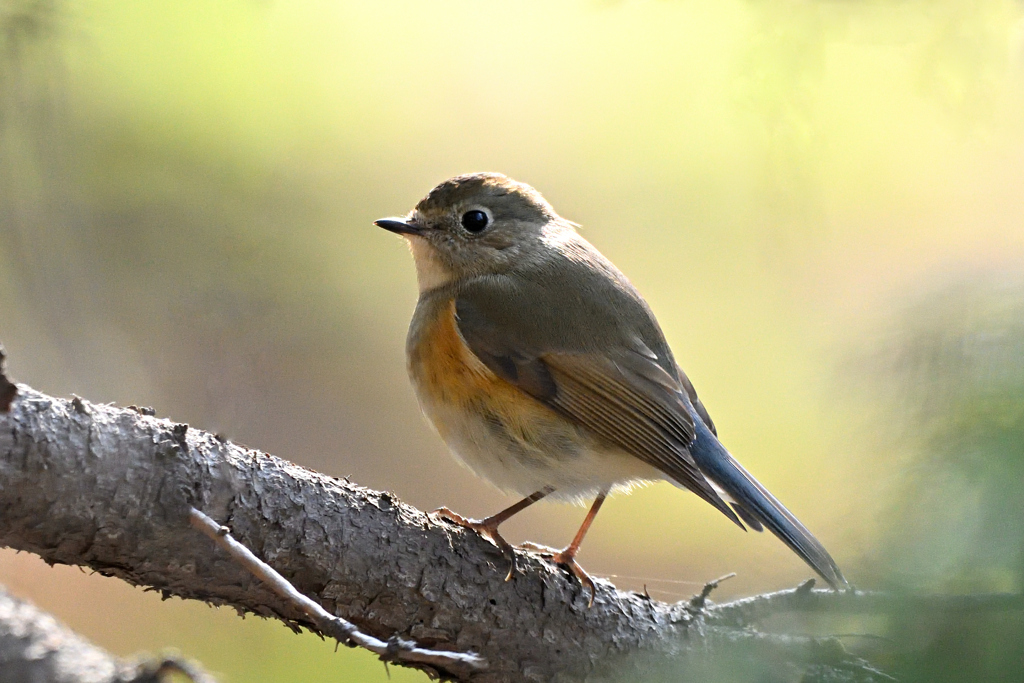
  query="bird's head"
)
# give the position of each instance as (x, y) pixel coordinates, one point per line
(476, 224)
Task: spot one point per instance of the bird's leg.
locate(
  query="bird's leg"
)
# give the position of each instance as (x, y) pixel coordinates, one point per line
(567, 556)
(488, 527)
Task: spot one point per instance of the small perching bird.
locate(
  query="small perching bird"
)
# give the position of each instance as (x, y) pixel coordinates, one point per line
(546, 373)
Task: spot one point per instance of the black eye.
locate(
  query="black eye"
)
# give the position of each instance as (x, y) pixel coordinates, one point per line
(474, 221)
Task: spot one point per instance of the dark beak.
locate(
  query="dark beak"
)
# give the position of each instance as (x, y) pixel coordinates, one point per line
(399, 226)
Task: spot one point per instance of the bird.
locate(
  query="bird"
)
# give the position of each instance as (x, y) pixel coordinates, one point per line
(546, 373)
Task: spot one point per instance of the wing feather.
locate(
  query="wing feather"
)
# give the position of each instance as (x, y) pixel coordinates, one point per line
(622, 395)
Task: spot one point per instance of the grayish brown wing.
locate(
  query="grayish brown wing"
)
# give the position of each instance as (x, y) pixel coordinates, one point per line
(619, 392)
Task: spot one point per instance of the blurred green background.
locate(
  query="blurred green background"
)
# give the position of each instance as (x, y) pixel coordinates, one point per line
(823, 201)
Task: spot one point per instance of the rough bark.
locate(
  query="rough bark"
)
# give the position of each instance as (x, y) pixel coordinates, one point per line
(111, 488)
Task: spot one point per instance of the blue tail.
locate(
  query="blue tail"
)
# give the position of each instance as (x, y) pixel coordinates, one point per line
(756, 506)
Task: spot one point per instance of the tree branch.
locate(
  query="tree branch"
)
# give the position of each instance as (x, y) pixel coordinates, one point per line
(746, 611)
(112, 489)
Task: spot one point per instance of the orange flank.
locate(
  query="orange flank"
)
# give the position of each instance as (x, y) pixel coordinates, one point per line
(447, 373)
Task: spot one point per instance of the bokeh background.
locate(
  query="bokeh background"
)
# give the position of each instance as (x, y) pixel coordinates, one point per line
(823, 202)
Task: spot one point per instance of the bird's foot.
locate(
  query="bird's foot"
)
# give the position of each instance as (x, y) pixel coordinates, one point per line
(566, 559)
(488, 528)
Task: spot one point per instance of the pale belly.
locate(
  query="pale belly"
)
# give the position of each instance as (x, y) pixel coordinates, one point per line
(502, 434)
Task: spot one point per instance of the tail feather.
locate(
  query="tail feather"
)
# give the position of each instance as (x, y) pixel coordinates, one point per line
(747, 518)
(756, 506)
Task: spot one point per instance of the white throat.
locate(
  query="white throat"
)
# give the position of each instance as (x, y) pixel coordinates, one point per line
(430, 272)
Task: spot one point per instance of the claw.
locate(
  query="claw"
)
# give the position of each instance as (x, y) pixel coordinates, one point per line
(569, 562)
(488, 528)
(566, 559)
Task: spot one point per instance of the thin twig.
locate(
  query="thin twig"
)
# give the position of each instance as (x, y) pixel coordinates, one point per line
(395, 649)
(698, 601)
